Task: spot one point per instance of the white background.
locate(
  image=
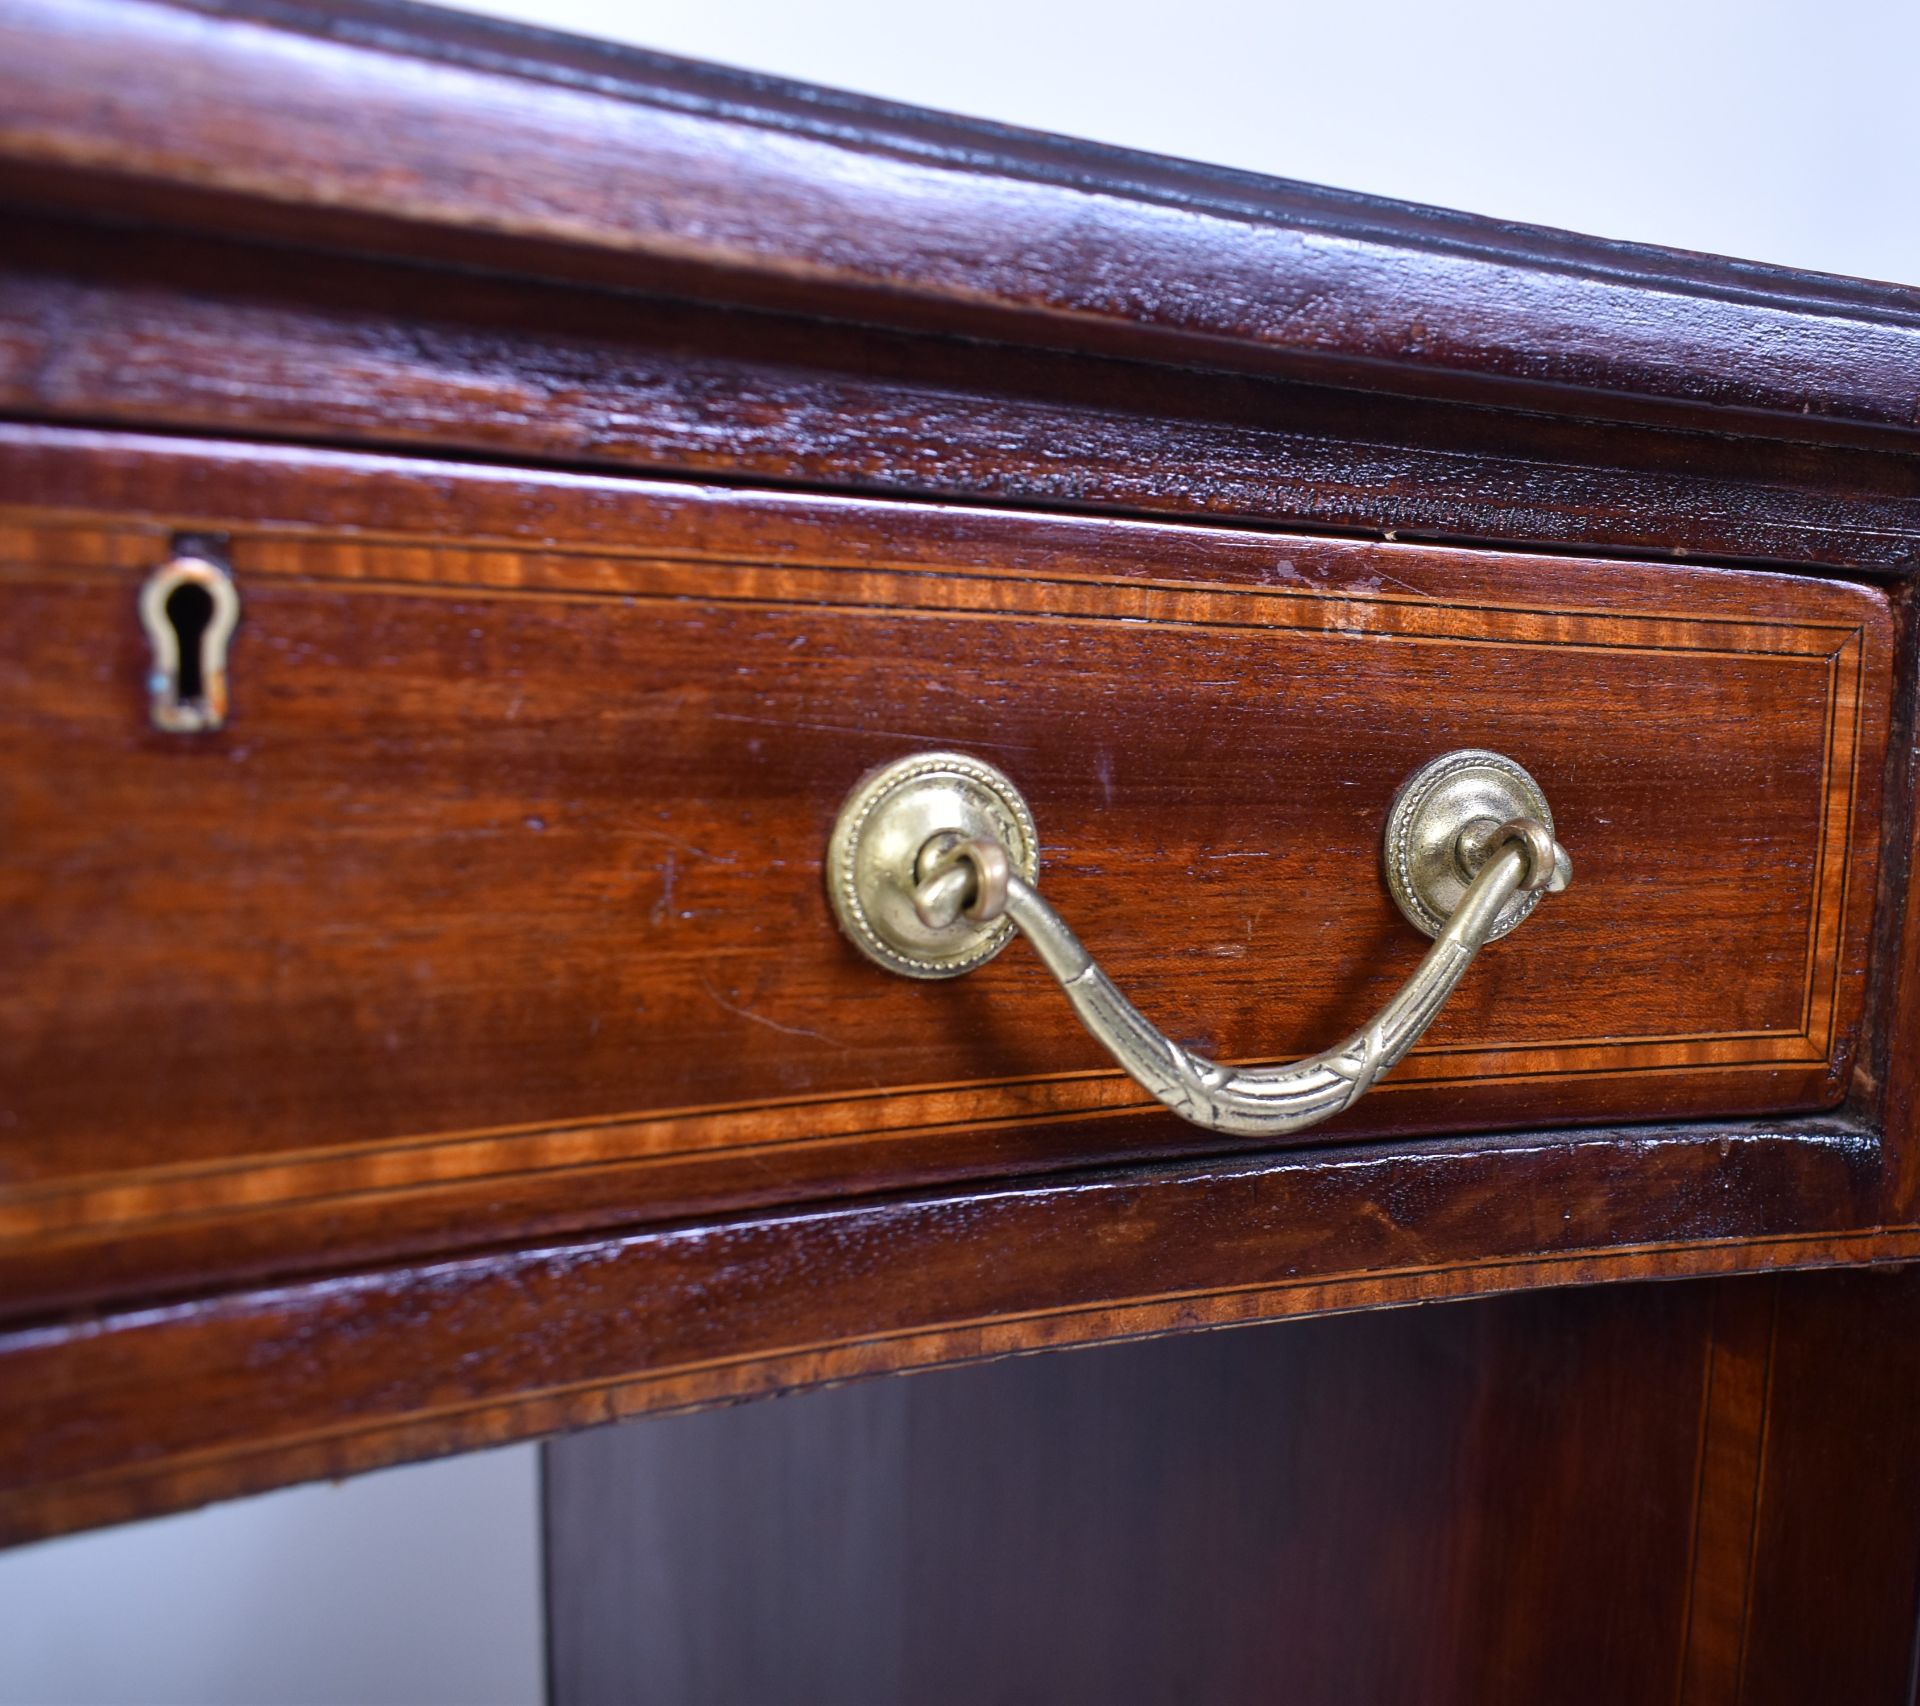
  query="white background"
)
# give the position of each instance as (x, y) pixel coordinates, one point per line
(414, 1587)
(1775, 130)
(1778, 132)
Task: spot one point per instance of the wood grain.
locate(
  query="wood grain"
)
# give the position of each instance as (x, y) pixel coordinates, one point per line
(1735, 1396)
(138, 1410)
(1890, 1082)
(1410, 1509)
(372, 127)
(379, 1079)
(1695, 1493)
(506, 869)
(1836, 1575)
(135, 326)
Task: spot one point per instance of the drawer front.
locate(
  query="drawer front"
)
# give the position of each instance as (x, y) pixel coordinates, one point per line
(496, 907)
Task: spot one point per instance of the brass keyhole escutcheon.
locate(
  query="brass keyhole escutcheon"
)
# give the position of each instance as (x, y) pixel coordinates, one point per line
(189, 609)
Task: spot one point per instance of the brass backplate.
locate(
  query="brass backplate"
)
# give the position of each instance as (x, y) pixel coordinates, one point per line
(1429, 833)
(872, 858)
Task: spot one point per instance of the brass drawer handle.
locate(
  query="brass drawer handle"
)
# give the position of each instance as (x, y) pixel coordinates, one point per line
(932, 866)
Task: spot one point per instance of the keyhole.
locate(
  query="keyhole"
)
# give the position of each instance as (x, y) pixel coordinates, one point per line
(190, 609)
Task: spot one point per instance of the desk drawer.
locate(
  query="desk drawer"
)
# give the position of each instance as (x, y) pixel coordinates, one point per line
(496, 906)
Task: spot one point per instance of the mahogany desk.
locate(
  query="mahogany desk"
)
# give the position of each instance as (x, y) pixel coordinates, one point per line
(561, 474)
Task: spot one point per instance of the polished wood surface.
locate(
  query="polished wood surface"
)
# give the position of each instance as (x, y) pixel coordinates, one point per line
(508, 861)
(365, 124)
(142, 1410)
(138, 327)
(369, 1093)
(1696, 1493)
